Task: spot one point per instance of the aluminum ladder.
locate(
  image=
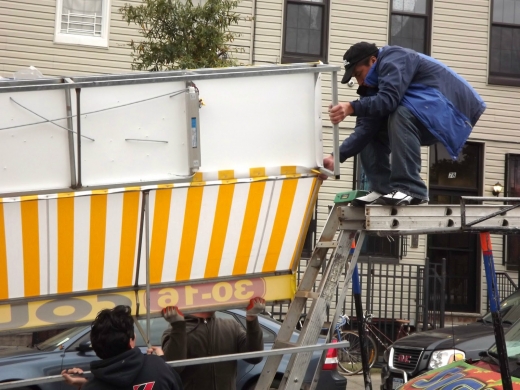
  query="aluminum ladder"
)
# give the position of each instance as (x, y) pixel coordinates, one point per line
(330, 281)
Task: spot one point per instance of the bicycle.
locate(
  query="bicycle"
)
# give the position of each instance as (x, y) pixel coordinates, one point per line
(352, 357)
(349, 358)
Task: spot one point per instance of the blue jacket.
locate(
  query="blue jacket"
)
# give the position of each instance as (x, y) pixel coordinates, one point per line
(442, 100)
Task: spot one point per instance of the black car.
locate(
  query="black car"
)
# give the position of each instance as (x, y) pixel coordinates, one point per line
(424, 351)
(71, 348)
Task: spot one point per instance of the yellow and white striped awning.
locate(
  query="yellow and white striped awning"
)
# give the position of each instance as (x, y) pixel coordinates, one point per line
(88, 241)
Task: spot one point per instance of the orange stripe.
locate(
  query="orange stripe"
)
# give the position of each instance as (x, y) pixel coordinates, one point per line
(189, 232)
(161, 217)
(288, 170)
(311, 202)
(220, 225)
(247, 236)
(65, 243)
(31, 247)
(485, 241)
(4, 283)
(128, 238)
(98, 227)
(280, 224)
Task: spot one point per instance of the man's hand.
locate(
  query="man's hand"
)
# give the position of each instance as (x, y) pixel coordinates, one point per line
(155, 351)
(328, 163)
(340, 112)
(74, 380)
(172, 314)
(255, 307)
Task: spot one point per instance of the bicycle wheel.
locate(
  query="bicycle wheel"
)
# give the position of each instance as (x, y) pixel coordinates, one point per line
(349, 359)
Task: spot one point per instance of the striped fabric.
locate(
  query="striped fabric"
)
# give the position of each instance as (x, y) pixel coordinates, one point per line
(88, 241)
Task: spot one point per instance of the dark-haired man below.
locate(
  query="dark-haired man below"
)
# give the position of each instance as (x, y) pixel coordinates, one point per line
(425, 102)
(203, 334)
(123, 365)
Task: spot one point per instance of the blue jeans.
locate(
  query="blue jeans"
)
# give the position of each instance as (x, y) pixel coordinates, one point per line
(401, 169)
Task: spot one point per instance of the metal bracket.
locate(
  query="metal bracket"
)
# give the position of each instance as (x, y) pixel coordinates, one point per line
(193, 126)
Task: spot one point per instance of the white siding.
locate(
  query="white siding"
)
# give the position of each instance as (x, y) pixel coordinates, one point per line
(460, 39)
(242, 43)
(27, 34)
(268, 31)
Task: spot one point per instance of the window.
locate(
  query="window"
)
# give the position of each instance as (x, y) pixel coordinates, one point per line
(512, 189)
(305, 31)
(410, 24)
(504, 50)
(82, 22)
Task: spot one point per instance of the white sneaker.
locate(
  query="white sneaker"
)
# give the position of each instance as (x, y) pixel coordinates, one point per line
(398, 198)
(371, 197)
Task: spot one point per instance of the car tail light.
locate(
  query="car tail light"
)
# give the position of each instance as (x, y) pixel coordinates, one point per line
(331, 360)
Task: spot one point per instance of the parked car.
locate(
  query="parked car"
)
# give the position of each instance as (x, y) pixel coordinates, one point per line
(420, 352)
(71, 348)
(483, 374)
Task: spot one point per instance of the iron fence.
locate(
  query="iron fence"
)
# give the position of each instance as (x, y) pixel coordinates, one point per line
(395, 293)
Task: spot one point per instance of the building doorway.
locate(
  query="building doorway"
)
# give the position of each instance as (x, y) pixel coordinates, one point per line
(449, 180)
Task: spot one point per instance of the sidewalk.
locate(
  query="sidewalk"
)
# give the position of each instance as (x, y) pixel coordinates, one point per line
(355, 382)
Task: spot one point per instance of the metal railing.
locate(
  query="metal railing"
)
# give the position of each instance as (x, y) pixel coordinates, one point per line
(394, 292)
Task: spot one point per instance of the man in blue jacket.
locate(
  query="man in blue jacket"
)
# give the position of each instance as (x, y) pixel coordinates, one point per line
(425, 102)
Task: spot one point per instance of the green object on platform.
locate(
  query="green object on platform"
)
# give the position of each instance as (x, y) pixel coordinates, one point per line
(349, 196)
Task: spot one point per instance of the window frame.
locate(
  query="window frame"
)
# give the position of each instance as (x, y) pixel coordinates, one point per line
(84, 40)
(499, 79)
(287, 58)
(428, 24)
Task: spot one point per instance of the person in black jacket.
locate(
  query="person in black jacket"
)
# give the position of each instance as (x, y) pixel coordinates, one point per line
(370, 138)
(123, 365)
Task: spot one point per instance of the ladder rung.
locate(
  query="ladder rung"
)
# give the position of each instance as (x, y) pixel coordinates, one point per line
(285, 344)
(307, 294)
(327, 244)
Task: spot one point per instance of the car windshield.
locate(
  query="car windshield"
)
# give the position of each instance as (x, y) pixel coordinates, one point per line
(56, 341)
(512, 338)
(509, 309)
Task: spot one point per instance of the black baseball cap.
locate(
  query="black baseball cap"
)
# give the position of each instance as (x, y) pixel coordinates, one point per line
(355, 54)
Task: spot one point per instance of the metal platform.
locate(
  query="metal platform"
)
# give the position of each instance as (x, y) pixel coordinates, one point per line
(423, 219)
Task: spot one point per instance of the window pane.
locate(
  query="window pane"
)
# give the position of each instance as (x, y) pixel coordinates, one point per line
(291, 35)
(498, 10)
(292, 15)
(415, 6)
(303, 32)
(409, 32)
(304, 16)
(302, 44)
(505, 48)
(82, 17)
(314, 42)
(509, 11)
(506, 11)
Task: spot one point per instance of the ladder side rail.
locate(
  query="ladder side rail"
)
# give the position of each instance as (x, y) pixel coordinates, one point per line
(339, 305)
(311, 330)
(296, 307)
